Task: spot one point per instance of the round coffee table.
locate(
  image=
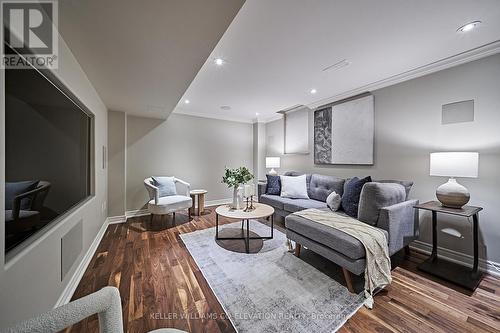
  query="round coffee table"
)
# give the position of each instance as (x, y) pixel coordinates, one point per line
(261, 211)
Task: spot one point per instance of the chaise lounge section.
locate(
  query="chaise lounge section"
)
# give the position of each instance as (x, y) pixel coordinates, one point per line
(383, 204)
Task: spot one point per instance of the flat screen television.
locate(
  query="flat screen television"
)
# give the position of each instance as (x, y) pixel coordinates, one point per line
(48, 135)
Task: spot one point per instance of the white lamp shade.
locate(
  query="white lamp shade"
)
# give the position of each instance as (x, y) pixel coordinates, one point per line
(454, 164)
(272, 162)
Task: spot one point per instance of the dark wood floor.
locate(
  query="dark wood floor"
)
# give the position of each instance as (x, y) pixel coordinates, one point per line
(161, 286)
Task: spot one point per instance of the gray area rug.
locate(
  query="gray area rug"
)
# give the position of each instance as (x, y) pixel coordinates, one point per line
(271, 291)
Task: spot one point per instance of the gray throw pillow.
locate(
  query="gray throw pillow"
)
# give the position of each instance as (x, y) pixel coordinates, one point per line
(376, 196)
(166, 186)
(333, 201)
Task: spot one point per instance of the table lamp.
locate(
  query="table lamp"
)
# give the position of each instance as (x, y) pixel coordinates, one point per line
(453, 164)
(271, 163)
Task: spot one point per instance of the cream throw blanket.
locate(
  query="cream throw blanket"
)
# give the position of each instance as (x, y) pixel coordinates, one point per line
(378, 262)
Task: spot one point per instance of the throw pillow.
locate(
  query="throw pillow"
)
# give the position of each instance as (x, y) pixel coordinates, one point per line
(166, 186)
(352, 192)
(14, 189)
(273, 186)
(333, 201)
(294, 187)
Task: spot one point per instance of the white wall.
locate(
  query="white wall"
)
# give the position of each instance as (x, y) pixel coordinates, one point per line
(30, 282)
(117, 135)
(408, 127)
(259, 151)
(194, 149)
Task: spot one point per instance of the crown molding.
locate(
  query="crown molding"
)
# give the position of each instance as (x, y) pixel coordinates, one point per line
(274, 117)
(452, 61)
(217, 117)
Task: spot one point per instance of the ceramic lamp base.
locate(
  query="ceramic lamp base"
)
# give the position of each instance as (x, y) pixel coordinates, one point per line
(452, 194)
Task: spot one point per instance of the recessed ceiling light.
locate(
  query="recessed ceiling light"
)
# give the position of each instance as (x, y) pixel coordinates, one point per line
(469, 26)
(313, 91)
(187, 101)
(225, 107)
(219, 61)
(257, 114)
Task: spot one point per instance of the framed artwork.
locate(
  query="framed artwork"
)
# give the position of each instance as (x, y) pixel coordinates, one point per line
(344, 132)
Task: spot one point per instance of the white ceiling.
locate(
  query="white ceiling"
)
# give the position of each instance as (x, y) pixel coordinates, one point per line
(142, 55)
(275, 50)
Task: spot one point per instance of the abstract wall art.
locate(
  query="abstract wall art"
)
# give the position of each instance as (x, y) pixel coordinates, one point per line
(344, 132)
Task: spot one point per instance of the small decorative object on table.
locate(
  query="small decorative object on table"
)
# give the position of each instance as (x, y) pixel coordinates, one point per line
(248, 194)
(458, 274)
(234, 178)
(454, 164)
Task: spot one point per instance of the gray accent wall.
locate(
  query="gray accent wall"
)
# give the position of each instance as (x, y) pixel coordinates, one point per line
(259, 151)
(194, 149)
(408, 127)
(30, 282)
(117, 131)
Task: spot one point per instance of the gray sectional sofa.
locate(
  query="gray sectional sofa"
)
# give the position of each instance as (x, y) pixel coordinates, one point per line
(383, 204)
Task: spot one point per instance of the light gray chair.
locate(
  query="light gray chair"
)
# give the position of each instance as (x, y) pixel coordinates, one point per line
(105, 302)
(169, 204)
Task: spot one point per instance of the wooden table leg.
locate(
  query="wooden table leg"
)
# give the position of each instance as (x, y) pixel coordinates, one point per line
(201, 204)
(348, 280)
(297, 249)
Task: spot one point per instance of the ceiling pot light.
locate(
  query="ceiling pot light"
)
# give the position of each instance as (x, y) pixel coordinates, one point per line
(225, 107)
(257, 114)
(187, 101)
(219, 61)
(469, 26)
(313, 91)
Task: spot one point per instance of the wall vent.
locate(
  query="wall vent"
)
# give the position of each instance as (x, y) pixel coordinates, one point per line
(458, 112)
(71, 247)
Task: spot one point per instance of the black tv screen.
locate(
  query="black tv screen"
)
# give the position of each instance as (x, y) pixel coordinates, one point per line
(47, 153)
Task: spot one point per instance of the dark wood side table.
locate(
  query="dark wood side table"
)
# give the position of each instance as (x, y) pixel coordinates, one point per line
(458, 274)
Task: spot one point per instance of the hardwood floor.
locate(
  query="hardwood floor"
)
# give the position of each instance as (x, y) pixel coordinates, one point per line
(161, 286)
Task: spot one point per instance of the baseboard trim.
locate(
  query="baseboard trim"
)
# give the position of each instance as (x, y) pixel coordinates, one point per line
(144, 212)
(490, 267)
(137, 212)
(218, 202)
(117, 219)
(70, 288)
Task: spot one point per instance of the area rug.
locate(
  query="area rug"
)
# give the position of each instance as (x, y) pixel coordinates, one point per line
(271, 291)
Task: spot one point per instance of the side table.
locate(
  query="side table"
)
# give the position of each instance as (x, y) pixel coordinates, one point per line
(458, 274)
(201, 201)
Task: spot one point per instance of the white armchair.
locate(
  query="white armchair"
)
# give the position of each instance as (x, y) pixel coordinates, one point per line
(169, 204)
(106, 303)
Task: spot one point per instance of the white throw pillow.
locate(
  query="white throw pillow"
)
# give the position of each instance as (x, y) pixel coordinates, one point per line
(294, 187)
(333, 201)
